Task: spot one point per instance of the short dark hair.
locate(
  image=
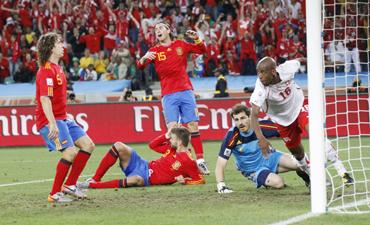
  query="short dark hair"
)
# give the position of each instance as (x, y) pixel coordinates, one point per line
(45, 46)
(238, 108)
(183, 134)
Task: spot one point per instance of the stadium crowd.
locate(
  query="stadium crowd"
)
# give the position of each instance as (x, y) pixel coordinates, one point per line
(346, 35)
(102, 39)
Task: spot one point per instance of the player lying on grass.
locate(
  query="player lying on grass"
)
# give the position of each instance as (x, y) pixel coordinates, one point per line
(277, 94)
(243, 143)
(175, 165)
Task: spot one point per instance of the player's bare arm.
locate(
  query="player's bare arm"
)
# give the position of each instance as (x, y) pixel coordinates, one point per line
(220, 176)
(263, 142)
(48, 110)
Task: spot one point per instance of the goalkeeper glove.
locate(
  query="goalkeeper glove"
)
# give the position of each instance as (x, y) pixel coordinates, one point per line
(222, 189)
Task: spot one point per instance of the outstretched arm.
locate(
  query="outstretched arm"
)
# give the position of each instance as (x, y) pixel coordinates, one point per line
(220, 176)
(263, 142)
(10, 10)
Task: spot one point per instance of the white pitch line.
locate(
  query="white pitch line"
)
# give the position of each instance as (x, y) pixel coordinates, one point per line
(46, 180)
(296, 219)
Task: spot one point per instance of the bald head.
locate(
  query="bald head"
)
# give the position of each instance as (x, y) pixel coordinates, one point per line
(266, 71)
(266, 63)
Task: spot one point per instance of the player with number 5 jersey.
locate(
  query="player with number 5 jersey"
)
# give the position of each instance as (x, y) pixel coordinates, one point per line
(58, 132)
(178, 99)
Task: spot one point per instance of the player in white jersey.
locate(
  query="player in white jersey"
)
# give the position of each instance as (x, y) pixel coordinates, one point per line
(277, 94)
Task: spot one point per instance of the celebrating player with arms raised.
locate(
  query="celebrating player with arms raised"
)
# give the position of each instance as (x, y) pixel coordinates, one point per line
(277, 94)
(175, 165)
(58, 132)
(178, 100)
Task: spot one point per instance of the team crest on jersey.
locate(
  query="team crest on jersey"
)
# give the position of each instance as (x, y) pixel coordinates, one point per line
(49, 82)
(176, 165)
(227, 152)
(179, 51)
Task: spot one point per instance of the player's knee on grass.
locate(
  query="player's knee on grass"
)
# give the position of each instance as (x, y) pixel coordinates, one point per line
(135, 181)
(69, 154)
(275, 181)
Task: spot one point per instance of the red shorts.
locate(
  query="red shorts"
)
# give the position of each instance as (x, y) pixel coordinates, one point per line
(292, 134)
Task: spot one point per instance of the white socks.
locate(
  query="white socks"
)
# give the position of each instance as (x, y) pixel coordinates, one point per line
(332, 156)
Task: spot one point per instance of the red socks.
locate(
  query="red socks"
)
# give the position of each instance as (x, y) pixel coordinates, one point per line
(108, 160)
(78, 165)
(61, 173)
(109, 184)
(196, 142)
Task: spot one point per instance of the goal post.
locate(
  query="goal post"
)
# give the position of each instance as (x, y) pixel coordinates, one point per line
(315, 77)
(338, 39)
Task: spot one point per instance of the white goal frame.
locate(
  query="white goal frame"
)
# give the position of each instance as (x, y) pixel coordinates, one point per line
(315, 77)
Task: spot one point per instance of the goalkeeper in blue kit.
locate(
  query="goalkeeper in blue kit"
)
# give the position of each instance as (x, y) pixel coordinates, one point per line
(242, 142)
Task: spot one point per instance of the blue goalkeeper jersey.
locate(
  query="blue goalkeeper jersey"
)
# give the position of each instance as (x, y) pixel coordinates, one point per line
(244, 146)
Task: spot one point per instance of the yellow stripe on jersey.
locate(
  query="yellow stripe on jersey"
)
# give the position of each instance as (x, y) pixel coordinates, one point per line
(193, 182)
(57, 144)
(50, 91)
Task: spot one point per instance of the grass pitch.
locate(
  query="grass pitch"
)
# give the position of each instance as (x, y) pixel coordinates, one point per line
(172, 204)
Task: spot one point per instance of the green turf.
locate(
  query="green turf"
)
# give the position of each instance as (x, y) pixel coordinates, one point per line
(175, 204)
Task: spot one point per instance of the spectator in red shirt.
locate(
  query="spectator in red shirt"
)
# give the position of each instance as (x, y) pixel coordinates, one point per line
(282, 47)
(248, 55)
(92, 41)
(4, 68)
(24, 14)
(110, 41)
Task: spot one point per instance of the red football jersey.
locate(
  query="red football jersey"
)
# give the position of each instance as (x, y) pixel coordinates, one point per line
(172, 164)
(51, 81)
(170, 64)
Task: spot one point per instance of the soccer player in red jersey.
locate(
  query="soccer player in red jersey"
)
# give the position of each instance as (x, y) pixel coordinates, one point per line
(58, 132)
(175, 165)
(178, 99)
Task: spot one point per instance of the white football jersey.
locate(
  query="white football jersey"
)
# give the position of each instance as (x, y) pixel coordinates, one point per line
(283, 101)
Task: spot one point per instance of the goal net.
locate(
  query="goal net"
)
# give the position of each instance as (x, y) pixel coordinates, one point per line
(346, 64)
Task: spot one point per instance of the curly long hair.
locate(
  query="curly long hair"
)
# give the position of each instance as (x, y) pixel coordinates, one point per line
(45, 46)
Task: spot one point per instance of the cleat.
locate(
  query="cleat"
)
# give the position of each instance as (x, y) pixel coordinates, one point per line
(85, 184)
(74, 191)
(59, 197)
(202, 166)
(305, 177)
(347, 179)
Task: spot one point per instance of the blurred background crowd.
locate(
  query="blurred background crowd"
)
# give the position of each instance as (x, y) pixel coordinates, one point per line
(103, 39)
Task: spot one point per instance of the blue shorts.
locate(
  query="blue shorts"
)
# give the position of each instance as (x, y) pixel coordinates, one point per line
(180, 107)
(69, 132)
(137, 166)
(267, 166)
